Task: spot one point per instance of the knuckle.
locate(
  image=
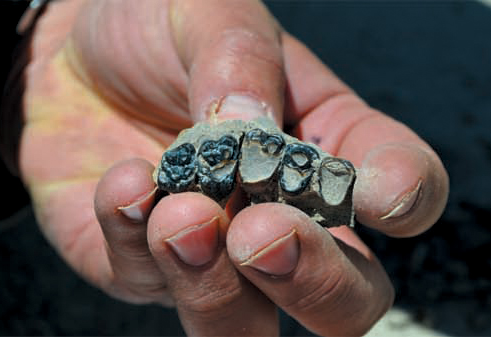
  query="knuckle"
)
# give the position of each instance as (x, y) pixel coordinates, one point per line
(211, 301)
(240, 44)
(332, 289)
(140, 294)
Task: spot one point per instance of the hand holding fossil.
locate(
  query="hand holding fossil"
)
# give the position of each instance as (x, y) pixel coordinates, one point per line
(114, 80)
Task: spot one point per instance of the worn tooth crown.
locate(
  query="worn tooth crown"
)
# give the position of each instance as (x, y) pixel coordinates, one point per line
(270, 166)
(298, 169)
(338, 166)
(178, 168)
(300, 156)
(272, 144)
(221, 151)
(218, 167)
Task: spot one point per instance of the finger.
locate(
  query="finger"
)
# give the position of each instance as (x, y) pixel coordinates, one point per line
(402, 186)
(187, 237)
(123, 50)
(123, 200)
(232, 52)
(330, 286)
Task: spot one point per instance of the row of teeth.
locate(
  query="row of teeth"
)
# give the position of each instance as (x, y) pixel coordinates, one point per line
(269, 165)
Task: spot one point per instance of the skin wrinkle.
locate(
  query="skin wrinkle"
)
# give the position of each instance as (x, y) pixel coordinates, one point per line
(117, 40)
(230, 64)
(337, 292)
(329, 110)
(160, 135)
(315, 105)
(175, 21)
(310, 300)
(77, 64)
(245, 27)
(235, 39)
(147, 295)
(143, 59)
(348, 128)
(227, 288)
(211, 303)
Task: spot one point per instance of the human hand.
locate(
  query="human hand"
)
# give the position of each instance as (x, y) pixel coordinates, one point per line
(121, 83)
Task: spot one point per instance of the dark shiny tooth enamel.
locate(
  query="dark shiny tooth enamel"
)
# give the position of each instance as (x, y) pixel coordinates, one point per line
(218, 160)
(178, 169)
(298, 168)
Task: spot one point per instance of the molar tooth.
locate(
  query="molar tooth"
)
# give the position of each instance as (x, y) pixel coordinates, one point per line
(178, 169)
(261, 156)
(218, 161)
(298, 168)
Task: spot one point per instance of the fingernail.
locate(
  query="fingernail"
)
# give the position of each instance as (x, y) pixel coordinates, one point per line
(196, 245)
(138, 210)
(241, 107)
(278, 258)
(404, 206)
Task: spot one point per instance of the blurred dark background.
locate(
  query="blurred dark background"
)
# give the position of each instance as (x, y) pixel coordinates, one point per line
(427, 64)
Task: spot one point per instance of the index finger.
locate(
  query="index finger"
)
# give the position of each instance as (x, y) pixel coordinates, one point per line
(402, 186)
(232, 53)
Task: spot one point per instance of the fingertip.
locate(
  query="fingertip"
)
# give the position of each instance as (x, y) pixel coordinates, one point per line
(259, 226)
(126, 188)
(177, 215)
(401, 189)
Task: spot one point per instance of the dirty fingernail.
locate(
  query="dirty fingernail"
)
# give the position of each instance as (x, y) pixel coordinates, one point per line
(241, 107)
(278, 258)
(196, 245)
(407, 202)
(138, 210)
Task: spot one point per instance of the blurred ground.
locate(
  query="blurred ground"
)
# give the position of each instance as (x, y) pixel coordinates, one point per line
(427, 64)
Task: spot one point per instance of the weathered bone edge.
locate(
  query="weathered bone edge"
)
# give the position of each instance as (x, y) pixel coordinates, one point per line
(270, 166)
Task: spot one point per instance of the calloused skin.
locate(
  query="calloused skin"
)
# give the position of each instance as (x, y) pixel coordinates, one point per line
(110, 85)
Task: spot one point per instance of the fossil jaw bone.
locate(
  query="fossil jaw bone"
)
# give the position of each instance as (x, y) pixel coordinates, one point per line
(269, 165)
